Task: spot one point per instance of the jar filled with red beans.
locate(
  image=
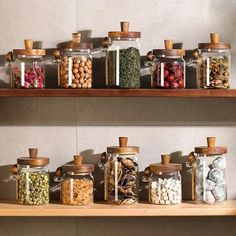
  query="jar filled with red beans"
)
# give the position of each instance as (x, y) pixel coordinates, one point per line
(170, 68)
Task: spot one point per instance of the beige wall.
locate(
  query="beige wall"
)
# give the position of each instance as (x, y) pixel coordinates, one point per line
(60, 127)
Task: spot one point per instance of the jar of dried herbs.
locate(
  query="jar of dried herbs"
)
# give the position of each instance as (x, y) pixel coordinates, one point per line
(213, 64)
(32, 179)
(123, 58)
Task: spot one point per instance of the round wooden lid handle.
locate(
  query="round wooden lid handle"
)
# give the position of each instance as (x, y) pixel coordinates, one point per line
(211, 141)
(76, 37)
(123, 141)
(168, 43)
(78, 159)
(28, 43)
(124, 26)
(56, 54)
(165, 159)
(215, 37)
(33, 152)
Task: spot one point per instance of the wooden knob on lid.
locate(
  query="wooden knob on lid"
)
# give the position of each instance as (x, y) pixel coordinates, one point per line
(215, 37)
(76, 37)
(168, 43)
(28, 43)
(211, 141)
(124, 26)
(56, 54)
(165, 159)
(33, 152)
(123, 141)
(78, 159)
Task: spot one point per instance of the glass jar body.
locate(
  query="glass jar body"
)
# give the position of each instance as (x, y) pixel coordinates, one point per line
(210, 177)
(170, 72)
(32, 185)
(165, 188)
(76, 69)
(213, 69)
(77, 188)
(121, 179)
(5, 75)
(123, 63)
(28, 72)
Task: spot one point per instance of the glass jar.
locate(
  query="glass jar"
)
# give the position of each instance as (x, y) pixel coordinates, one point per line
(28, 69)
(121, 174)
(77, 183)
(76, 64)
(123, 68)
(5, 72)
(209, 173)
(32, 179)
(214, 64)
(170, 68)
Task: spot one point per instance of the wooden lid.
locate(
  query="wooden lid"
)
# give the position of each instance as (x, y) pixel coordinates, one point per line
(214, 44)
(29, 51)
(169, 51)
(123, 148)
(124, 33)
(211, 149)
(165, 165)
(33, 160)
(77, 166)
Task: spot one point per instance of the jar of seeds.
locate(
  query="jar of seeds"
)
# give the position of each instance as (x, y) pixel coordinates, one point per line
(213, 64)
(123, 59)
(32, 179)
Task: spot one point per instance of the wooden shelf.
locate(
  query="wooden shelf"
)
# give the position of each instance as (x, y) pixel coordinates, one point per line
(101, 209)
(181, 93)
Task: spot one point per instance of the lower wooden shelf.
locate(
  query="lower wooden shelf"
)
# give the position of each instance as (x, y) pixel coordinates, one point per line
(101, 209)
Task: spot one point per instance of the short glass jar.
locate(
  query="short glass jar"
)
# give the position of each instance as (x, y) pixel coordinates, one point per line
(28, 68)
(32, 179)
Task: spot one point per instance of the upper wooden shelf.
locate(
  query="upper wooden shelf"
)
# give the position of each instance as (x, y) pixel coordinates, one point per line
(101, 209)
(177, 93)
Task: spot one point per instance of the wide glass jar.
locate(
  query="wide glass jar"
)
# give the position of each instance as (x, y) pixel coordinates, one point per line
(121, 174)
(170, 68)
(76, 64)
(28, 68)
(209, 173)
(214, 64)
(32, 179)
(123, 58)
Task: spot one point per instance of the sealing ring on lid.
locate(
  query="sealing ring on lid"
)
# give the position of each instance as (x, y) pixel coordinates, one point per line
(33, 160)
(124, 33)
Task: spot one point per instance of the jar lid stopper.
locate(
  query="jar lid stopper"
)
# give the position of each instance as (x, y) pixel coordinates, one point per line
(165, 159)
(211, 141)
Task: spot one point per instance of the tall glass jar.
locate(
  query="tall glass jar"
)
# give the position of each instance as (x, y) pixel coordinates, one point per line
(121, 174)
(170, 68)
(28, 69)
(123, 60)
(76, 64)
(210, 173)
(32, 179)
(214, 64)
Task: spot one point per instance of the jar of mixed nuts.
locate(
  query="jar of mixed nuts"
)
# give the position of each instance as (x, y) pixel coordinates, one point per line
(121, 173)
(213, 64)
(209, 173)
(164, 182)
(76, 64)
(123, 59)
(32, 179)
(77, 183)
(28, 69)
(170, 68)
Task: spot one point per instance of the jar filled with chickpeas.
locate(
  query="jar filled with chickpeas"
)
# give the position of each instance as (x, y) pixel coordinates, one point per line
(75, 70)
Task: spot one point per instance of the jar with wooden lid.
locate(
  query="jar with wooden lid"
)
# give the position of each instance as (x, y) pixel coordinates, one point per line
(209, 173)
(28, 67)
(123, 60)
(121, 173)
(76, 182)
(75, 63)
(213, 63)
(164, 182)
(32, 178)
(170, 67)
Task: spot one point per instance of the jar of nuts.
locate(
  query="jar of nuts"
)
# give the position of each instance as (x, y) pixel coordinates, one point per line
(32, 179)
(76, 182)
(164, 182)
(76, 64)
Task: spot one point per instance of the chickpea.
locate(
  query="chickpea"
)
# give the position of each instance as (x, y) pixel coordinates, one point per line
(79, 86)
(84, 85)
(81, 81)
(75, 71)
(73, 85)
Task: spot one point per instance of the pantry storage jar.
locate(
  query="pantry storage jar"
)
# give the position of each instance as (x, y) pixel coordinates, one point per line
(121, 173)
(5, 72)
(123, 59)
(209, 173)
(214, 64)
(32, 178)
(76, 182)
(76, 64)
(170, 68)
(28, 67)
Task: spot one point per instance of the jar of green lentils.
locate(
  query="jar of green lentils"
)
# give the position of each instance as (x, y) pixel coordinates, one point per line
(32, 179)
